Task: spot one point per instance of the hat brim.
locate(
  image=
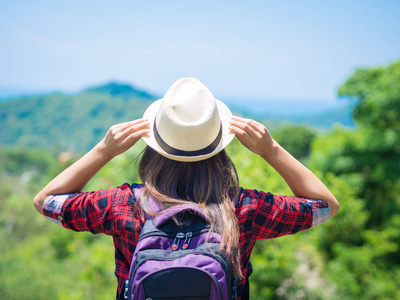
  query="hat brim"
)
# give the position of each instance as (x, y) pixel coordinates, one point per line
(227, 136)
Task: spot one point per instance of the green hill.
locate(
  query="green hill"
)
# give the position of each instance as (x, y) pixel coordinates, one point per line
(70, 122)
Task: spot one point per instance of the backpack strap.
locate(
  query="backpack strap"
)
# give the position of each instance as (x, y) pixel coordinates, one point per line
(152, 204)
(246, 288)
(121, 295)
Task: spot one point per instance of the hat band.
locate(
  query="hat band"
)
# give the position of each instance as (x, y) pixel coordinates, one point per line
(173, 151)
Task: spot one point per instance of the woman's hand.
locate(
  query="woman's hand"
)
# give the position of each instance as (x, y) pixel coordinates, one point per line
(121, 137)
(302, 181)
(252, 135)
(118, 139)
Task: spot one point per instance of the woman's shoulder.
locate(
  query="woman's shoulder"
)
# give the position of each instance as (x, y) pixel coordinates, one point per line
(126, 210)
(127, 193)
(136, 187)
(248, 196)
(248, 201)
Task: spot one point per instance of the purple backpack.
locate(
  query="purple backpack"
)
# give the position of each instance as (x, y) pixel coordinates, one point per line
(177, 257)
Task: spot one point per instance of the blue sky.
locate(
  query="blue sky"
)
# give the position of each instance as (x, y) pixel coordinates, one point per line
(255, 49)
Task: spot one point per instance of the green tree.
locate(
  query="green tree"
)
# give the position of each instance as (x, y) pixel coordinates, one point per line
(362, 245)
(296, 139)
(374, 149)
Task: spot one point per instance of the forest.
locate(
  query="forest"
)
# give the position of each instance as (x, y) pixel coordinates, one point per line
(355, 255)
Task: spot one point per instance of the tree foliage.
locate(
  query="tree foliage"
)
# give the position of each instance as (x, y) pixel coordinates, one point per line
(368, 158)
(295, 139)
(355, 255)
(70, 122)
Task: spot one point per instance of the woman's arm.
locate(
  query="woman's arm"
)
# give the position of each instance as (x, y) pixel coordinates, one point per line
(118, 139)
(301, 180)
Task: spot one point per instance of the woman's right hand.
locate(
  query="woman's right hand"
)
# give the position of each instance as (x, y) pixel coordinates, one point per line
(252, 135)
(121, 137)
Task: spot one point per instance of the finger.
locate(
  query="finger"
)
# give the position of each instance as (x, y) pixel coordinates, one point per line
(132, 127)
(126, 125)
(238, 118)
(254, 128)
(138, 126)
(122, 125)
(250, 122)
(245, 126)
(116, 129)
(241, 134)
(131, 139)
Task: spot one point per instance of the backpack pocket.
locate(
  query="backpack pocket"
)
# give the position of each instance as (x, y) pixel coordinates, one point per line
(182, 275)
(179, 283)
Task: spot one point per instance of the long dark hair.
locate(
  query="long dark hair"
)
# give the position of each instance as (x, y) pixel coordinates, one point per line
(211, 183)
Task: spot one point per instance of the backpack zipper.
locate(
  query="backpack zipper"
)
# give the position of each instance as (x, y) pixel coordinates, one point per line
(187, 240)
(175, 244)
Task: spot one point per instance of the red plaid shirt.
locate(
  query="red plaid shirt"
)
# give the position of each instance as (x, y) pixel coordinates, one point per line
(115, 212)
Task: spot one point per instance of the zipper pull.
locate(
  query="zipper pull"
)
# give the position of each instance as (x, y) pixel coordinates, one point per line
(179, 236)
(187, 240)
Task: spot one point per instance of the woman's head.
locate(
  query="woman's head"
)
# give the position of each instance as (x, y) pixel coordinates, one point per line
(188, 123)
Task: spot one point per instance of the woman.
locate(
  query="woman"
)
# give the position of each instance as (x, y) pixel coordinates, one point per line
(186, 133)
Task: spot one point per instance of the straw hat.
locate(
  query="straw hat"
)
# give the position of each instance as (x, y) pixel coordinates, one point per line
(188, 124)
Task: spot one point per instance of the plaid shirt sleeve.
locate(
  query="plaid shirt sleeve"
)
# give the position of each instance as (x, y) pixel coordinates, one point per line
(96, 211)
(265, 216)
(271, 216)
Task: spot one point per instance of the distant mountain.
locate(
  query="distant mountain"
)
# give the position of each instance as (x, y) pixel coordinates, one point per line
(120, 89)
(70, 122)
(76, 122)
